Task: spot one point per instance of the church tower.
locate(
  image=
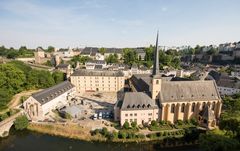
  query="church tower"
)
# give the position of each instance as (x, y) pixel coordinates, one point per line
(156, 77)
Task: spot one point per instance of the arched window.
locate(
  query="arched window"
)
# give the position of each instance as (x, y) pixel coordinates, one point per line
(204, 104)
(193, 107)
(183, 107)
(172, 108)
(157, 82)
(213, 105)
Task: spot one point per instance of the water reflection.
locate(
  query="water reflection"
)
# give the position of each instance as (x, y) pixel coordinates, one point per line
(25, 140)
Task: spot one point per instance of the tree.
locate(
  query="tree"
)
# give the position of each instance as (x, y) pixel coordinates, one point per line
(126, 125)
(130, 56)
(12, 78)
(149, 54)
(134, 124)
(102, 50)
(12, 54)
(50, 49)
(217, 142)
(112, 58)
(21, 122)
(58, 76)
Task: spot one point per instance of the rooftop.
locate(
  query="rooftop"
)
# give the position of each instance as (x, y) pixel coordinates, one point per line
(137, 101)
(177, 91)
(51, 93)
(84, 72)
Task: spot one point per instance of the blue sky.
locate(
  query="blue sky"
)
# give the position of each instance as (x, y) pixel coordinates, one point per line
(118, 23)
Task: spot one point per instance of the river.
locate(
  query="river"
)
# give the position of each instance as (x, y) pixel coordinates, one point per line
(31, 141)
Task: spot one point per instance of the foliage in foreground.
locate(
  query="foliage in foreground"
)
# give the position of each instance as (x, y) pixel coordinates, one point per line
(17, 76)
(21, 122)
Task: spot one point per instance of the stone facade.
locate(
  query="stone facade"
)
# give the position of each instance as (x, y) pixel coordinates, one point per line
(101, 81)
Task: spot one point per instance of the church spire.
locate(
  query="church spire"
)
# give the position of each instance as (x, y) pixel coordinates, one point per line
(156, 59)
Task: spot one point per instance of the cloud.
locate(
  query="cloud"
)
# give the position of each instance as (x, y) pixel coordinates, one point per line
(164, 9)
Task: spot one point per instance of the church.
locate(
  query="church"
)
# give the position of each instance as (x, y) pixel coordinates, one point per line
(156, 97)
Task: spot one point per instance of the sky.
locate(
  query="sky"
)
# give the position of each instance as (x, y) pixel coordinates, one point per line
(118, 23)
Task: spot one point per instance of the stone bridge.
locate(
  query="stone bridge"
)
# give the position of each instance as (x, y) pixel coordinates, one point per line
(6, 124)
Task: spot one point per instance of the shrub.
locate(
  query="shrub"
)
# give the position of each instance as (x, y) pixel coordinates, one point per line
(126, 125)
(3, 116)
(122, 134)
(154, 123)
(152, 136)
(141, 136)
(21, 122)
(159, 134)
(104, 131)
(131, 135)
(180, 122)
(162, 122)
(134, 124)
(194, 121)
(95, 132)
(164, 133)
(115, 134)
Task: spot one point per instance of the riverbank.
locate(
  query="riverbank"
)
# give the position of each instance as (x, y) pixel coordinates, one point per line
(72, 131)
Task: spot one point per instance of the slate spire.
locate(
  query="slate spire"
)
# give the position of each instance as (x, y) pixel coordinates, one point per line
(156, 59)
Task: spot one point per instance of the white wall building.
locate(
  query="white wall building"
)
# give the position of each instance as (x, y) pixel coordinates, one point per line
(41, 103)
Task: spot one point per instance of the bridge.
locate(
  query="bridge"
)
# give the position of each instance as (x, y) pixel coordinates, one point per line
(6, 124)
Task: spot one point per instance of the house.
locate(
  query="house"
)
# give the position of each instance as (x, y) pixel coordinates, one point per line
(92, 64)
(41, 103)
(140, 53)
(90, 52)
(65, 68)
(113, 51)
(226, 85)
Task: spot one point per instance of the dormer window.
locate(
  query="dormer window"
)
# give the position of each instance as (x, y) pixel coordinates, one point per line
(143, 106)
(133, 106)
(148, 105)
(128, 106)
(138, 106)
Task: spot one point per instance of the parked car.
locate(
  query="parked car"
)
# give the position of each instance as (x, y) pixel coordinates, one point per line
(100, 115)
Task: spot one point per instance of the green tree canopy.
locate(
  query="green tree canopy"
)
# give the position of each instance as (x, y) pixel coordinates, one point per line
(21, 122)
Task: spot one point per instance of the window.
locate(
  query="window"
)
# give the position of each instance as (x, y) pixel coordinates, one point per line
(149, 119)
(203, 106)
(172, 108)
(126, 115)
(193, 107)
(149, 114)
(135, 114)
(131, 120)
(126, 120)
(135, 120)
(131, 114)
(183, 107)
(213, 105)
(157, 82)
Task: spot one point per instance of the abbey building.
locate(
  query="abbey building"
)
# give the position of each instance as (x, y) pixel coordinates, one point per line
(164, 98)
